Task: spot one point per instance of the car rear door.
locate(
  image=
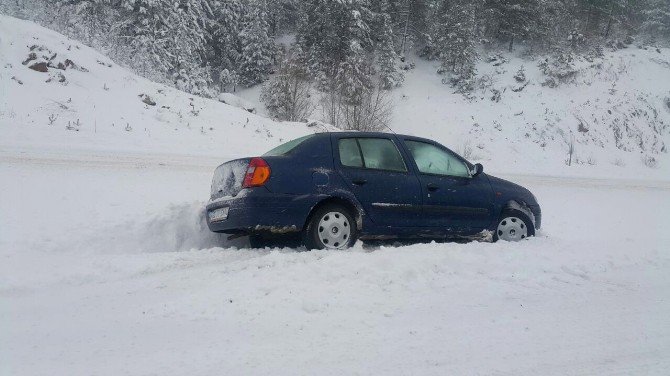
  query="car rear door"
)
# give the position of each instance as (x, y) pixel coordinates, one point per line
(453, 200)
(377, 173)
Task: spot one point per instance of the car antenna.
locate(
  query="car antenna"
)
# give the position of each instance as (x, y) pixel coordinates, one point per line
(390, 129)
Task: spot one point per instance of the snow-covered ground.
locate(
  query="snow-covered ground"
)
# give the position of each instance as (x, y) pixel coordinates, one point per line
(107, 268)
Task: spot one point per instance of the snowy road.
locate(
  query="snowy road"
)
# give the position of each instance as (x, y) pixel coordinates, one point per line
(106, 268)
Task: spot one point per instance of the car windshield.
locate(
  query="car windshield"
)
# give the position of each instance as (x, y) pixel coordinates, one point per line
(287, 147)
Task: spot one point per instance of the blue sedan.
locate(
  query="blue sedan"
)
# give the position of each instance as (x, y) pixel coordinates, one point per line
(331, 189)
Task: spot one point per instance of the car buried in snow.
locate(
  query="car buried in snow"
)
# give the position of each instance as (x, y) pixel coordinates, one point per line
(331, 189)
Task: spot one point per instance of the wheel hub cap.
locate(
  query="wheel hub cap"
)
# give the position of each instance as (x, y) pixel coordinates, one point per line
(334, 230)
(512, 229)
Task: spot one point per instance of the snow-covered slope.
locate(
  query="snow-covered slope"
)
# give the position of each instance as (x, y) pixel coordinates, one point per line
(616, 108)
(109, 108)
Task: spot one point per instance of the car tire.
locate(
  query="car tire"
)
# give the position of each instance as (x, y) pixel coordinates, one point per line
(331, 226)
(513, 225)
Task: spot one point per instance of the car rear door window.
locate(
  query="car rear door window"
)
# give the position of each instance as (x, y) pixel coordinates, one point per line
(431, 159)
(350, 154)
(371, 153)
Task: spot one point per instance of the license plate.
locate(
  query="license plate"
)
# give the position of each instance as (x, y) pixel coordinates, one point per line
(218, 214)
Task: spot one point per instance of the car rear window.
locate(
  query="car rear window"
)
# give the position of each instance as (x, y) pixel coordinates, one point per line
(372, 153)
(286, 147)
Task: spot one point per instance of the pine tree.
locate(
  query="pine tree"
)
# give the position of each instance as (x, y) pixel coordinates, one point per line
(656, 19)
(334, 33)
(167, 38)
(387, 59)
(409, 22)
(88, 20)
(516, 19)
(257, 47)
(228, 80)
(288, 95)
(224, 26)
(354, 76)
(454, 41)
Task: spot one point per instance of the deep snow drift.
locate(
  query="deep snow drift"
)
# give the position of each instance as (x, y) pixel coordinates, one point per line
(107, 268)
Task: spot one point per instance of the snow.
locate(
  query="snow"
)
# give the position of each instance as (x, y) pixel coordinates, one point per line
(530, 131)
(107, 266)
(108, 103)
(238, 102)
(101, 274)
(228, 178)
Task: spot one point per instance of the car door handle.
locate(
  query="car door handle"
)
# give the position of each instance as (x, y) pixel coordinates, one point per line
(359, 181)
(432, 187)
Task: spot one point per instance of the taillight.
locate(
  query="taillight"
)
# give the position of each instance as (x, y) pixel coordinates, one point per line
(258, 173)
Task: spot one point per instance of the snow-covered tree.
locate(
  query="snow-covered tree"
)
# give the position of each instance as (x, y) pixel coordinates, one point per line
(333, 33)
(454, 40)
(88, 20)
(656, 15)
(257, 46)
(354, 76)
(387, 59)
(224, 26)
(228, 80)
(288, 95)
(517, 20)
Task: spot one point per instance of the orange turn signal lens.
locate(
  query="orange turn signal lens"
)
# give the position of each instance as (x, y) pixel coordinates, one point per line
(258, 173)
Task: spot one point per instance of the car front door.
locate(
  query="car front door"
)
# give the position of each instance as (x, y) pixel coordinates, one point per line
(378, 175)
(453, 200)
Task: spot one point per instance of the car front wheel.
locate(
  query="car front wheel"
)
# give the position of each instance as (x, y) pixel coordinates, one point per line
(331, 226)
(514, 225)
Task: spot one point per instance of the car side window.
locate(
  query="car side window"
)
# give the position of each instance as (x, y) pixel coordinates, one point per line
(431, 159)
(350, 154)
(372, 153)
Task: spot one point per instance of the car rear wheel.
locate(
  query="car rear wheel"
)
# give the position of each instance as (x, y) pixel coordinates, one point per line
(331, 226)
(514, 225)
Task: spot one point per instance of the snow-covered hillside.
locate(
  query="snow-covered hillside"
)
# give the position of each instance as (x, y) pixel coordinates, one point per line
(615, 108)
(107, 268)
(90, 103)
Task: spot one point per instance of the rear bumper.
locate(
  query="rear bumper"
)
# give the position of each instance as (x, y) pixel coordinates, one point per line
(256, 210)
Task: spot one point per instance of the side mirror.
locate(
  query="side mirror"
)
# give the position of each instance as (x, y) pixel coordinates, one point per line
(479, 168)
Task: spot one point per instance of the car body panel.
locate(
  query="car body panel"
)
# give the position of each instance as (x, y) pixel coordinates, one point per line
(459, 204)
(389, 198)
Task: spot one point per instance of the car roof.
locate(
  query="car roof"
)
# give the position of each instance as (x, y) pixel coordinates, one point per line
(372, 134)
